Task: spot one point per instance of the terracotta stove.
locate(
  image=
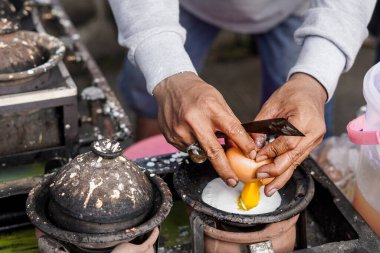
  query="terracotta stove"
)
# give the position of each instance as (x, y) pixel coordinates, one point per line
(98, 200)
(219, 231)
(54, 100)
(328, 224)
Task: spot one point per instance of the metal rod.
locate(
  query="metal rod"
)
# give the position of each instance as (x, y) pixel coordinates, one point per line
(301, 238)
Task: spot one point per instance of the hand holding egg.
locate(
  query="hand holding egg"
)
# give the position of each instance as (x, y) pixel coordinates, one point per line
(244, 167)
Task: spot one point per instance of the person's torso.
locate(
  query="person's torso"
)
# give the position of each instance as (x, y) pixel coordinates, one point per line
(246, 16)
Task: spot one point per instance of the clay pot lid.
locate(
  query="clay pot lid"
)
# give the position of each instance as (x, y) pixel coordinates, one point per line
(101, 186)
(27, 54)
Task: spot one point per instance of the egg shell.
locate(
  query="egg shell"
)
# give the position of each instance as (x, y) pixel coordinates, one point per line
(266, 181)
(244, 167)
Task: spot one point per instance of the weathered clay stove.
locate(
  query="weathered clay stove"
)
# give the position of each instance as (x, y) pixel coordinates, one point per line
(26, 55)
(98, 200)
(218, 231)
(48, 123)
(31, 70)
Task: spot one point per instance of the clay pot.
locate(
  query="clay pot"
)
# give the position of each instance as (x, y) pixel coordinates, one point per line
(99, 200)
(48, 244)
(100, 191)
(281, 235)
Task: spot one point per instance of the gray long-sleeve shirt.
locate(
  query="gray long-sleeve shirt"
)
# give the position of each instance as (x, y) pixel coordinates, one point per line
(331, 35)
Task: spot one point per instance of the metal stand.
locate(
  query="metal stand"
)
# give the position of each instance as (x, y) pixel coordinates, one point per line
(198, 234)
(301, 239)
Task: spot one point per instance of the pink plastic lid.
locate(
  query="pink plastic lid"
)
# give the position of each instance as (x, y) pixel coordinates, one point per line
(358, 136)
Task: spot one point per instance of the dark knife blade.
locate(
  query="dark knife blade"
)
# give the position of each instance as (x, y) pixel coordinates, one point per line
(279, 126)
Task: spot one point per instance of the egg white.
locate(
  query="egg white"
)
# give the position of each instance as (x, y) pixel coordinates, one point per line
(218, 195)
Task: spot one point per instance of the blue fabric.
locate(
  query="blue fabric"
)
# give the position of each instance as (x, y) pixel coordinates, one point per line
(278, 53)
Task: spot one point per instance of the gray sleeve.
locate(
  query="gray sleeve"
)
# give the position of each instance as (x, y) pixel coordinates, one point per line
(151, 31)
(331, 36)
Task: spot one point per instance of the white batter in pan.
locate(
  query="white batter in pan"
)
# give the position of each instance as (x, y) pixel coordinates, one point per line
(218, 195)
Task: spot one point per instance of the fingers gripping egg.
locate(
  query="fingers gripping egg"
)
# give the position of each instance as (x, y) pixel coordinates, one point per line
(245, 169)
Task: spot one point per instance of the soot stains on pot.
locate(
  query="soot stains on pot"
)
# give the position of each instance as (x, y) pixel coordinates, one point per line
(92, 187)
(122, 203)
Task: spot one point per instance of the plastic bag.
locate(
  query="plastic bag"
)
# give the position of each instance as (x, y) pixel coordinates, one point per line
(338, 158)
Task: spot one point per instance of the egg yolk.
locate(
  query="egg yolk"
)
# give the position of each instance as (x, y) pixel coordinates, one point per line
(245, 169)
(250, 196)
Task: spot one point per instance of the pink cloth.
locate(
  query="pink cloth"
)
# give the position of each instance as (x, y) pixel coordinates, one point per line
(152, 146)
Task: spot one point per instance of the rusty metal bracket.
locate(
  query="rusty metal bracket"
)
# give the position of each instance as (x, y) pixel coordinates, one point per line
(198, 232)
(261, 247)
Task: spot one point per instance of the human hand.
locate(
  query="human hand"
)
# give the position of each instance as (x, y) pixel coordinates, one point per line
(191, 110)
(301, 100)
(145, 247)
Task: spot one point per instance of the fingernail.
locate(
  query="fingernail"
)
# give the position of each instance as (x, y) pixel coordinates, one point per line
(271, 192)
(252, 154)
(260, 141)
(261, 158)
(232, 182)
(262, 175)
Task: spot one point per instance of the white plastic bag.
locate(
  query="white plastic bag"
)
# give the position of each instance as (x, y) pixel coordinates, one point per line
(338, 158)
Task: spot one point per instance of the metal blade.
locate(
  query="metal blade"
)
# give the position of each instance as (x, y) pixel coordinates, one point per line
(280, 126)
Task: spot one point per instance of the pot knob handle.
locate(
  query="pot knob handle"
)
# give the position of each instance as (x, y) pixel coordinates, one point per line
(106, 148)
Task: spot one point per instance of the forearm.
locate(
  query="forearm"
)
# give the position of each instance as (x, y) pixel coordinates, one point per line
(331, 37)
(151, 31)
